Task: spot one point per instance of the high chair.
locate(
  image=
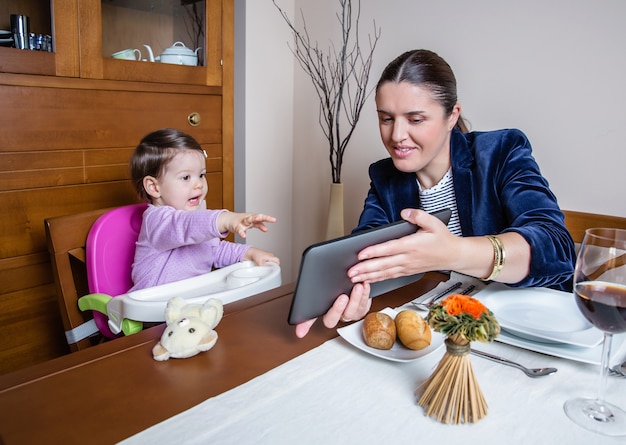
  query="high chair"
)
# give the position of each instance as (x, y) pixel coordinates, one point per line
(110, 251)
(103, 260)
(108, 255)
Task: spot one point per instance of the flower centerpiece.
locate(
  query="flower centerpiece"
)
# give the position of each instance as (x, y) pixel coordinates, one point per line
(340, 76)
(452, 393)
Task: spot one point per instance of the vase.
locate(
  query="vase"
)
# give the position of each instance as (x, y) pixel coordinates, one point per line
(334, 228)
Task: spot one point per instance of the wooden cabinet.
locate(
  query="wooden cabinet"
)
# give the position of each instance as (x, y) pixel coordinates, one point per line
(70, 121)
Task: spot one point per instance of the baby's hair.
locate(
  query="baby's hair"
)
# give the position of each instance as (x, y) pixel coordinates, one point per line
(155, 151)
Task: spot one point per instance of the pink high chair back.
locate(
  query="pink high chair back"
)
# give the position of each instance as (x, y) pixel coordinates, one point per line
(110, 251)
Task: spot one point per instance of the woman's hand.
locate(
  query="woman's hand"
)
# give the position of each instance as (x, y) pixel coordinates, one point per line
(432, 247)
(344, 309)
(238, 223)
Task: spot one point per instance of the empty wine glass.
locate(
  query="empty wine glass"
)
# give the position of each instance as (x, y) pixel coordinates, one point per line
(600, 293)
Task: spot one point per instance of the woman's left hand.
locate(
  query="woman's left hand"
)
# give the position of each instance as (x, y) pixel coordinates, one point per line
(345, 309)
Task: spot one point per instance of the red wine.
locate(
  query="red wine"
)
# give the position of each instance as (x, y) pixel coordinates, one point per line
(603, 304)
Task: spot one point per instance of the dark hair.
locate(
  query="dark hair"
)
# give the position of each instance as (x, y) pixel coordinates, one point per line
(427, 70)
(154, 152)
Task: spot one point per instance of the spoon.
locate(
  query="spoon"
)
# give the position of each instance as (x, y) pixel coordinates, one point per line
(530, 372)
(618, 370)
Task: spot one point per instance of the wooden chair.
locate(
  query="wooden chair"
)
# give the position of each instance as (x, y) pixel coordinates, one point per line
(66, 236)
(578, 222)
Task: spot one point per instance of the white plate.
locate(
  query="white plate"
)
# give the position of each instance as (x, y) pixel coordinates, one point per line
(398, 353)
(540, 315)
(584, 355)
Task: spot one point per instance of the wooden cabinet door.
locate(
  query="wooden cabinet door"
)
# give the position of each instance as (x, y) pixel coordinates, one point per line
(63, 27)
(111, 27)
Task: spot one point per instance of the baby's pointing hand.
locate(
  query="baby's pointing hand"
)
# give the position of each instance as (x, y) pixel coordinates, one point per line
(240, 222)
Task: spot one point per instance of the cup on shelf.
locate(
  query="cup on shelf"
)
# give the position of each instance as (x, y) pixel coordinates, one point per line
(20, 28)
(127, 54)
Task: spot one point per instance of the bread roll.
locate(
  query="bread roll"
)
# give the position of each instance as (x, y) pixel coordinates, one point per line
(412, 329)
(379, 330)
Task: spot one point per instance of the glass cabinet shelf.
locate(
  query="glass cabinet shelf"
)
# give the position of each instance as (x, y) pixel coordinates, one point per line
(152, 26)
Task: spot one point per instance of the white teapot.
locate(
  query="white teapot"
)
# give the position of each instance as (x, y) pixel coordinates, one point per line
(177, 54)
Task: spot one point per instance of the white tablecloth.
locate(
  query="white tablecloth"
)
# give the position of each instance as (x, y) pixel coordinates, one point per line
(336, 394)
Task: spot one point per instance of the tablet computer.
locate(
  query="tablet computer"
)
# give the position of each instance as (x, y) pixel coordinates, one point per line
(324, 266)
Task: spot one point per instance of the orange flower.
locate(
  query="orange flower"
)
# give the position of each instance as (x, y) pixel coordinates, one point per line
(458, 304)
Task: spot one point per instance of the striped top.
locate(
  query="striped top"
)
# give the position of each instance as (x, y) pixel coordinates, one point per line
(442, 196)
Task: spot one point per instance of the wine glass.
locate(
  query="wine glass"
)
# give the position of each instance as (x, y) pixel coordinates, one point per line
(600, 293)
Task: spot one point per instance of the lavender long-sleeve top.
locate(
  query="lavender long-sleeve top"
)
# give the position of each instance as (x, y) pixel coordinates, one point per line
(178, 244)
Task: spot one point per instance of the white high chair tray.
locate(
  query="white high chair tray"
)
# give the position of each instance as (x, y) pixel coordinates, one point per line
(231, 283)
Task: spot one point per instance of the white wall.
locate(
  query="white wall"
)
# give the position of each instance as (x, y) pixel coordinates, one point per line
(554, 68)
(266, 174)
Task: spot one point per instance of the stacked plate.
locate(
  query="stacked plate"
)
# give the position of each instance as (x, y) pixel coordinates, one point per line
(545, 320)
(6, 38)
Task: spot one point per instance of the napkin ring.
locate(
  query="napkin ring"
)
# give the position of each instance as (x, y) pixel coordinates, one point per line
(499, 255)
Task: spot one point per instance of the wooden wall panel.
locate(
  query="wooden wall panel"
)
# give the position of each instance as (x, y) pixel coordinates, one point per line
(112, 156)
(19, 180)
(103, 173)
(30, 324)
(39, 160)
(23, 233)
(214, 198)
(32, 269)
(66, 167)
(31, 330)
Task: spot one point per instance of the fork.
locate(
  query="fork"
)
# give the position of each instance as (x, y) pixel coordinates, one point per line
(530, 372)
(427, 304)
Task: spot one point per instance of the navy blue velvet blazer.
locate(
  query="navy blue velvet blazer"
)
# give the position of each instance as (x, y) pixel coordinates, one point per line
(499, 188)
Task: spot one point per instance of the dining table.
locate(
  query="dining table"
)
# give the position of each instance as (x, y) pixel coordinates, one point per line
(260, 384)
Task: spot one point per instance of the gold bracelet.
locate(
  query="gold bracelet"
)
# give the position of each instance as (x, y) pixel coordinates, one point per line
(499, 255)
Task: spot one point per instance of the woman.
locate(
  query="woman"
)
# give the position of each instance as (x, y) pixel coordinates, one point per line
(506, 224)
